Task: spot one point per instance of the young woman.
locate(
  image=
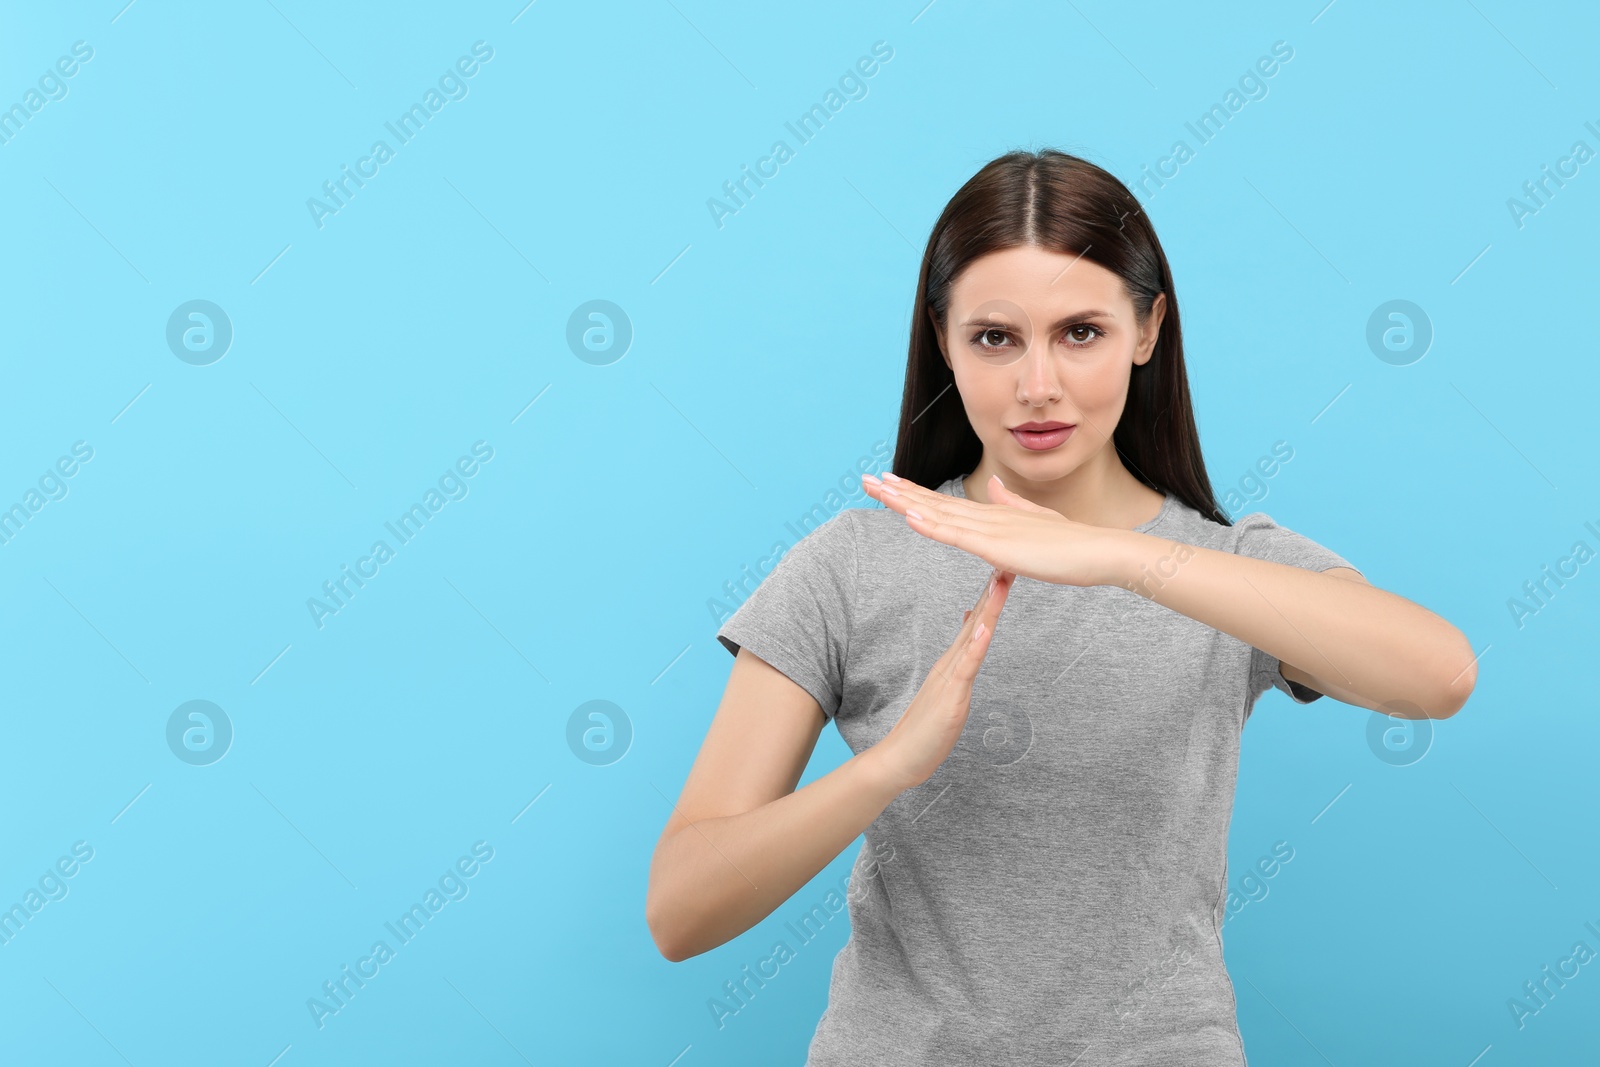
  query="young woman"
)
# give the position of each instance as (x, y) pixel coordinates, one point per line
(1045, 863)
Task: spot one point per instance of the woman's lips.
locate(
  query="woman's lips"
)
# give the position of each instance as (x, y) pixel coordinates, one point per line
(1042, 440)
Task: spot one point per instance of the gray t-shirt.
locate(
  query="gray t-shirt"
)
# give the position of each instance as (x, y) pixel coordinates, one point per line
(1054, 893)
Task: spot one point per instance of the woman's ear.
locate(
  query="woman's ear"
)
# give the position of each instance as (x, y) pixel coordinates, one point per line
(1151, 329)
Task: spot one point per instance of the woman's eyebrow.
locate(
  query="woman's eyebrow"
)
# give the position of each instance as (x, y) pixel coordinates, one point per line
(1066, 320)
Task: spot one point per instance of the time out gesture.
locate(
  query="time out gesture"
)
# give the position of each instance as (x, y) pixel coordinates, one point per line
(1332, 630)
(1013, 534)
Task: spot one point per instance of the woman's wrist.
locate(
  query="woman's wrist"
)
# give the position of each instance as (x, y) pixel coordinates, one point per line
(1142, 563)
(1118, 555)
(876, 775)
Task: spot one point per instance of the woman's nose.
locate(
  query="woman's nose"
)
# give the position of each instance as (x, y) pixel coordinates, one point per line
(1038, 375)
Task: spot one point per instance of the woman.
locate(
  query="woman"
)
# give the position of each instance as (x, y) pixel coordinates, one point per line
(1046, 840)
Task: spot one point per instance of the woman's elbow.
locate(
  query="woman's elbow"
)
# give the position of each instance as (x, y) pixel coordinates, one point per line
(657, 914)
(661, 931)
(671, 924)
(1453, 694)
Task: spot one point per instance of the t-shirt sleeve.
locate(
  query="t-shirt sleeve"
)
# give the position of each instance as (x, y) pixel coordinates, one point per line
(1262, 538)
(798, 618)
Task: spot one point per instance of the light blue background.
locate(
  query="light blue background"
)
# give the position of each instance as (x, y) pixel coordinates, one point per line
(768, 356)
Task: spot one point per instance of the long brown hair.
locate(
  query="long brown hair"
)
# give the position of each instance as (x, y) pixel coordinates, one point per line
(1065, 204)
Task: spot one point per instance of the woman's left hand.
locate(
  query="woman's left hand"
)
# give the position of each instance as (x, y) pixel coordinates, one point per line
(1013, 533)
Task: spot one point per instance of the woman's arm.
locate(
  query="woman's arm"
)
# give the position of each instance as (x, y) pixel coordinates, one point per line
(741, 839)
(1332, 630)
(1349, 639)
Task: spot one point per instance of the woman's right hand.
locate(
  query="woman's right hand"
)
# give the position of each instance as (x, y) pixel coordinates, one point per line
(931, 725)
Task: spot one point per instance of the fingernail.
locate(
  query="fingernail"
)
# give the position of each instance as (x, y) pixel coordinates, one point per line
(911, 514)
(872, 478)
(978, 632)
(892, 476)
(891, 490)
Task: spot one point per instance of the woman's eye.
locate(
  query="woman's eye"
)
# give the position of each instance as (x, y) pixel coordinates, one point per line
(990, 338)
(993, 340)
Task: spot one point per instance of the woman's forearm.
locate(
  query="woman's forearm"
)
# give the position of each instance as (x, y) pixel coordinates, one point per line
(1360, 638)
(714, 879)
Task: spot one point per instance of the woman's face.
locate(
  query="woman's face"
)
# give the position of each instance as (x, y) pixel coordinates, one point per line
(1035, 336)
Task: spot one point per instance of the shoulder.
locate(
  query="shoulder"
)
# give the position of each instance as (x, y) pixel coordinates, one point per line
(1256, 534)
(1260, 536)
(877, 532)
(885, 539)
(1180, 522)
(832, 541)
